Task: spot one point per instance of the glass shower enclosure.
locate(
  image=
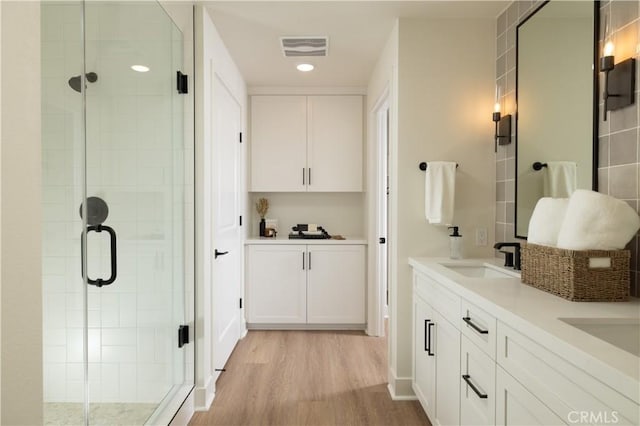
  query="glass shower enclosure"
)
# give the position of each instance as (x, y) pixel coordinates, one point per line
(117, 194)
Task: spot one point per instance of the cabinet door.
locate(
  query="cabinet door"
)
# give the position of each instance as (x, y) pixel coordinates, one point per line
(447, 350)
(478, 381)
(424, 378)
(276, 284)
(335, 284)
(278, 143)
(515, 405)
(335, 143)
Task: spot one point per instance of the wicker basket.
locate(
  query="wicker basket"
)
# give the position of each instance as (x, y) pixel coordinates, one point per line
(577, 275)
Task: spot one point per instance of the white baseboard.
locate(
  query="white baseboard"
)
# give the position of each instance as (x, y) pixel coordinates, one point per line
(203, 397)
(400, 388)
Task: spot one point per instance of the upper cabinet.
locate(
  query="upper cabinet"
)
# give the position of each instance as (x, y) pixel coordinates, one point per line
(306, 143)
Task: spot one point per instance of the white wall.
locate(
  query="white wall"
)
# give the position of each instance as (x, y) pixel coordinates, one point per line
(445, 98)
(212, 59)
(21, 215)
(338, 213)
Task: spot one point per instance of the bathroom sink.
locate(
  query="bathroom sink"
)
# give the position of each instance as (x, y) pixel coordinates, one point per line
(623, 333)
(483, 270)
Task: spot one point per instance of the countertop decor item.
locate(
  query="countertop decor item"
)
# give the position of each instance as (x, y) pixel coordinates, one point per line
(577, 275)
(262, 206)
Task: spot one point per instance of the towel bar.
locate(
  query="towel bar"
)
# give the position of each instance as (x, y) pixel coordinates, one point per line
(423, 166)
(538, 166)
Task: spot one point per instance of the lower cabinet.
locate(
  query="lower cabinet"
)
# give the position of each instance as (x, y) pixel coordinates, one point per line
(485, 372)
(305, 284)
(478, 385)
(436, 364)
(515, 405)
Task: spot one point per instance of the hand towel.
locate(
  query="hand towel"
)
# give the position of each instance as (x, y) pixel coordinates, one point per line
(559, 179)
(546, 220)
(597, 221)
(439, 194)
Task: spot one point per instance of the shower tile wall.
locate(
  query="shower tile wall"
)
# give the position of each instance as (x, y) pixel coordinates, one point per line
(619, 144)
(131, 158)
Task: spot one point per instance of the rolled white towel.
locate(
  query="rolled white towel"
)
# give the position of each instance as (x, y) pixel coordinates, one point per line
(546, 220)
(595, 221)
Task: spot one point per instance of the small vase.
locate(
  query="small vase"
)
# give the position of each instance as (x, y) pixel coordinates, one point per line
(262, 227)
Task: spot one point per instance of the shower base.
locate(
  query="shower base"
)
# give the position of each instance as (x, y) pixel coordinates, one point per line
(71, 413)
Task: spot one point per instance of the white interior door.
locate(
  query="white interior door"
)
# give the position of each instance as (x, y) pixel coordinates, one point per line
(227, 264)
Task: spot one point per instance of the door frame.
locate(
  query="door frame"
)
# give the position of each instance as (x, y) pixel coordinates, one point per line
(379, 146)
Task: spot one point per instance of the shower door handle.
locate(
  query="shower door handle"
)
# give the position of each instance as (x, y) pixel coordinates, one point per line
(114, 255)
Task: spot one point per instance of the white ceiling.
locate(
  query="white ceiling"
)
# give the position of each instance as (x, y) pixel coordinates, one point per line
(357, 32)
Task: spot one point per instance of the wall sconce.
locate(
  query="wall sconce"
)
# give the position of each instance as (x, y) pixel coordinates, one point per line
(619, 81)
(503, 126)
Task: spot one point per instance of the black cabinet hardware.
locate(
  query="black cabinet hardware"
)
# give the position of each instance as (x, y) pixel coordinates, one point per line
(309, 260)
(303, 181)
(303, 261)
(219, 253)
(382, 240)
(426, 336)
(475, 327)
(431, 324)
(309, 175)
(467, 378)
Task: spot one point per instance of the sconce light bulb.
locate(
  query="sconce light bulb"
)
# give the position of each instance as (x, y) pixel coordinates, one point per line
(608, 49)
(496, 107)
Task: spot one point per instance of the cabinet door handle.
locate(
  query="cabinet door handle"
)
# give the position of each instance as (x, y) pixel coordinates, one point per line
(475, 327)
(426, 335)
(303, 261)
(467, 378)
(309, 175)
(431, 324)
(309, 260)
(303, 175)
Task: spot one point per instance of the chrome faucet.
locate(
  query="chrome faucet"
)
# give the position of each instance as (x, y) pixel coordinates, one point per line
(510, 259)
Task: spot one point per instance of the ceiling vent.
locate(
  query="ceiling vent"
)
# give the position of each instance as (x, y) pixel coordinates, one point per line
(305, 46)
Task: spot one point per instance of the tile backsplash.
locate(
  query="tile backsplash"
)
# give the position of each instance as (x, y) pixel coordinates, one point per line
(619, 136)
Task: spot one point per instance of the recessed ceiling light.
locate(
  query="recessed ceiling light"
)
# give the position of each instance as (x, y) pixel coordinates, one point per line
(305, 67)
(139, 68)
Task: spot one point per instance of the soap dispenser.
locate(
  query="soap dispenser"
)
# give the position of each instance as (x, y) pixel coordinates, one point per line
(455, 244)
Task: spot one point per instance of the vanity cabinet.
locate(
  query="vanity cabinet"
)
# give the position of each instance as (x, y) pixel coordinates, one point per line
(515, 405)
(503, 374)
(306, 143)
(298, 284)
(436, 352)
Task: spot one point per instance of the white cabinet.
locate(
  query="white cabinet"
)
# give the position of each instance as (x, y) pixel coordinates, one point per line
(424, 371)
(305, 284)
(335, 284)
(306, 143)
(478, 381)
(276, 292)
(515, 405)
(278, 143)
(436, 355)
(504, 374)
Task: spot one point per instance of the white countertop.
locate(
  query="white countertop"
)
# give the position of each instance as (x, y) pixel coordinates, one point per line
(286, 240)
(536, 314)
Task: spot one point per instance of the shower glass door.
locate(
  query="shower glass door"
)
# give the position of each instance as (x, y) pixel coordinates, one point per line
(130, 257)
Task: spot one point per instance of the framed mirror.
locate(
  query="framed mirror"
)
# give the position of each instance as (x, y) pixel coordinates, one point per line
(556, 97)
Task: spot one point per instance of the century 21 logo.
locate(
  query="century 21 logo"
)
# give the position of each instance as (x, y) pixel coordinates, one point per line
(593, 417)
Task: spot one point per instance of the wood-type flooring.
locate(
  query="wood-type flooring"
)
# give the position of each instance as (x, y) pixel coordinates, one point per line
(308, 378)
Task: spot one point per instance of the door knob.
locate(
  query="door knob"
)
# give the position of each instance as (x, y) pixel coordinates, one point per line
(219, 253)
